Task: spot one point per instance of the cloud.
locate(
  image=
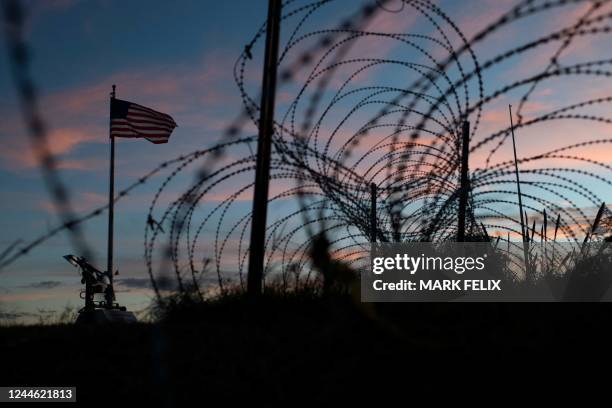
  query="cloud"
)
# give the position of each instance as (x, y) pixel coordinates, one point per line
(162, 282)
(64, 141)
(17, 155)
(78, 115)
(136, 283)
(42, 285)
(53, 5)
(27, 297)
(12, 316)
(85, 201)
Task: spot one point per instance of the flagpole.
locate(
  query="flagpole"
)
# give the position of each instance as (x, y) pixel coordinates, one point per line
(111, 213)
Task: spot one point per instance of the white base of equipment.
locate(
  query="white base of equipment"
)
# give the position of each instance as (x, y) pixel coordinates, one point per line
(105, 316)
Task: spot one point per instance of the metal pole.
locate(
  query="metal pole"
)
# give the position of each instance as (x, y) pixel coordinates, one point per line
(264, 144)
(464, 189)
(111, 213)
(520, 199)
(518, 181)
(373, 195)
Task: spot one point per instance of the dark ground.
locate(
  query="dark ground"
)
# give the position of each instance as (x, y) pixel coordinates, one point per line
(305, 350)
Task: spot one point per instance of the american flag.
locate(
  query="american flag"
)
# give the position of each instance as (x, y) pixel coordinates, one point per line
(132, 120)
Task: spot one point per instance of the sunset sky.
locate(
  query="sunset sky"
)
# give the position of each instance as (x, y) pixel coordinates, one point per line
(178, 57)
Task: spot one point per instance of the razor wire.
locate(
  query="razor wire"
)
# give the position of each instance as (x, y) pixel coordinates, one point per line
(336, 134)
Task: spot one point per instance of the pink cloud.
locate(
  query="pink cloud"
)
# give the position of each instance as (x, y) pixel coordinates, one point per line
(86, 201)
(79, 115)
(17, 155)
(62, 141)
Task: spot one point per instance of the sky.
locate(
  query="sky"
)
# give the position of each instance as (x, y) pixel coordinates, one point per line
(178, 57)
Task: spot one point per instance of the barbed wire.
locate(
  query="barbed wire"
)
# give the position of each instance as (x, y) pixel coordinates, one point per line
(337, 133)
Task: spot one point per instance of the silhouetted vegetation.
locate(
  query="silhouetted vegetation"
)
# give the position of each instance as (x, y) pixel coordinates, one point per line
(309, 339)
(297, 347)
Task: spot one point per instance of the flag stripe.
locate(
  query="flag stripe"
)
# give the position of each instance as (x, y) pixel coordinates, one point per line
(141, 128)
(140, 115)
(148, 110)
(142, 132)
(137, 120)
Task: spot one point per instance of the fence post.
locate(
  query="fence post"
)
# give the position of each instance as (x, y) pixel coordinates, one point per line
(464, 188)
(373, 194)
(264, 145)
